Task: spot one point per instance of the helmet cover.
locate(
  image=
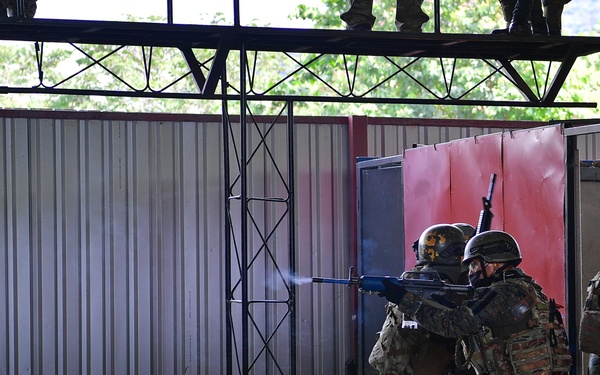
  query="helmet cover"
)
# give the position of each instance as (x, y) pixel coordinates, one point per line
(441, 244)
(493, 246)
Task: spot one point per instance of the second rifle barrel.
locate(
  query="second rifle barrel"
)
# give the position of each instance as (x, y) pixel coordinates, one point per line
(329, 281)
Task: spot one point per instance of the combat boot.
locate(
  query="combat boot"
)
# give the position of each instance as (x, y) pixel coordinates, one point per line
(520, 24)
(538, 22)
(359, 16)
(508, 7)
(410, 16)
(553, 12)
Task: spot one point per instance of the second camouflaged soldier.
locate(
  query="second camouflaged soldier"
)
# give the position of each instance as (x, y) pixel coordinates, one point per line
(518, 15)
(409, 15)
(404, 348)
(540, 17)
(536, 17)
(589, 329)
(510, 326)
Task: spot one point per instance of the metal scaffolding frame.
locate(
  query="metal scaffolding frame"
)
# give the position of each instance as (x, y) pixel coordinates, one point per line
(502, 54)
(502, 57)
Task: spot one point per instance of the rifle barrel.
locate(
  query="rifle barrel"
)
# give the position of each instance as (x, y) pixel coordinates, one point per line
(330, 281)
(491, 188)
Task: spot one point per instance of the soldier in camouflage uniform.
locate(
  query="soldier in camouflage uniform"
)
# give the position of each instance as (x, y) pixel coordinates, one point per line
(589, 330)
(404, 348)
(8, 8)
(544, 16)
(409, 15)
(510, 326)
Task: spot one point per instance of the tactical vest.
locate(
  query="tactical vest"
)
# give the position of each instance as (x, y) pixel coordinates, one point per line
(589, 328)
(530, 339)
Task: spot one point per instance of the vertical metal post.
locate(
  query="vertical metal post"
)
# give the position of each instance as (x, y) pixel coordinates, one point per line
(170, 11)
(244, 246)
(20, 8)
(292, 235)
(571, 215)
(357, 147)
(236, 12)
(437, 17)
(227, 226)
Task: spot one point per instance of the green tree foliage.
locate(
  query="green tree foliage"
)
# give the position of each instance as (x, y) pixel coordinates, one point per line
(92, 67)
(464, 17)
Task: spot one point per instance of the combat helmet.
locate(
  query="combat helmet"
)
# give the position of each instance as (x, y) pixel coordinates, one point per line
(493, 246)
(441, 244)
(467, 229)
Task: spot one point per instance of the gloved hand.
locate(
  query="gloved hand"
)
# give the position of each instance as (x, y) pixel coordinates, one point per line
(393, 292)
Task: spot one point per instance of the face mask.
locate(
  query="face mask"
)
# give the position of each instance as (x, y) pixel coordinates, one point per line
(474, 278)
(476, 282)
(476, 270)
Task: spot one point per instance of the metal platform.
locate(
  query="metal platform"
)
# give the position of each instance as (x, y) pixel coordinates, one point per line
(367, 43)
(501, 52)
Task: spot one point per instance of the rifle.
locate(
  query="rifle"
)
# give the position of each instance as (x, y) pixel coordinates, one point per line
(486, 215)
(422, 283)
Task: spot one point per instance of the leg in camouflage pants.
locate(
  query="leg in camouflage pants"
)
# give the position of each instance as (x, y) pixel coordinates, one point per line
(553, 12)
(409, 15)
(8, 8)
(538, 22)
(594, 364)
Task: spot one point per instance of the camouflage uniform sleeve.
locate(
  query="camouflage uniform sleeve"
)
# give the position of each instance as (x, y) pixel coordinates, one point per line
(489, 304)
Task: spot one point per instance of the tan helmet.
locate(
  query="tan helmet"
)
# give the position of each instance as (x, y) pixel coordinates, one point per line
(441, 244)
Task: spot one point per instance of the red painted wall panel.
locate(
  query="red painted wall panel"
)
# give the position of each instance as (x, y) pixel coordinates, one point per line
(534, 170)
(445, 183)
(473, 160)
(426, 177)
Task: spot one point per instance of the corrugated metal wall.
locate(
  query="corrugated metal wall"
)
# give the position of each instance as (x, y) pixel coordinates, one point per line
(112, 236)
(389, 139)
(323, 246)
(589, 146)
(112, 239)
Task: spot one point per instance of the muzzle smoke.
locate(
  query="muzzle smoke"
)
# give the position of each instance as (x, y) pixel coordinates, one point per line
(300, 280)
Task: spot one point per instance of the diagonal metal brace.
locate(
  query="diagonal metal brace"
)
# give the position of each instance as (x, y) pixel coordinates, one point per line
(194, 66)
(218, 64)
(518, 81)
(560, 77)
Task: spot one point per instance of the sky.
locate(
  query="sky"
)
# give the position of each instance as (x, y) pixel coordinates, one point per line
(266, 12)
(273, 13)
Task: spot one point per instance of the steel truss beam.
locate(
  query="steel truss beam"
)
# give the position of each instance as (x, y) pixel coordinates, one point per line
(206, 52)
